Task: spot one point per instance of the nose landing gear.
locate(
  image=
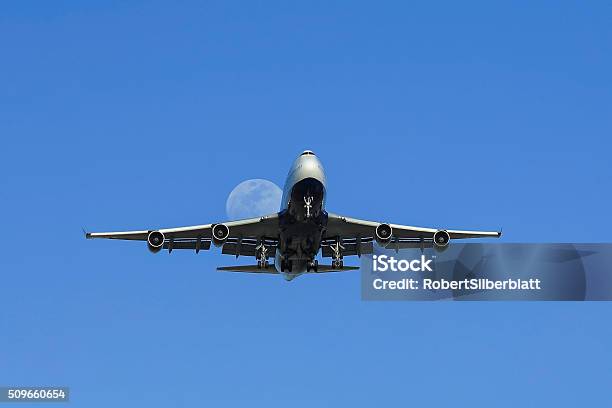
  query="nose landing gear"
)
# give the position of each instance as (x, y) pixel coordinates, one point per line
(308, 205)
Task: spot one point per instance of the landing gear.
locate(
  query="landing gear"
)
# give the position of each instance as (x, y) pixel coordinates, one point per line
(337, 248)
(312, 266)
(262, 256)
(308, 205)
(286, 266)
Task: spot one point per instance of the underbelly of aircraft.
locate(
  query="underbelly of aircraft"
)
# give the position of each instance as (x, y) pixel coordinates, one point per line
(302, 225)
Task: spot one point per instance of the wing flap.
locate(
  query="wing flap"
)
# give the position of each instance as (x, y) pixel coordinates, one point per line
(246, 248)
(350, 248)
(190, 244)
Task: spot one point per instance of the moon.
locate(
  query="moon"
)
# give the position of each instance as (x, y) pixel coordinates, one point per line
(253, 198)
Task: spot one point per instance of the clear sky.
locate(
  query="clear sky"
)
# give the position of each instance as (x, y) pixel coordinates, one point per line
(134, 114)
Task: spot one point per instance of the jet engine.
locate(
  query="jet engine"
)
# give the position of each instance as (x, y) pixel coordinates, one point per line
(441, 239)
(383, 234)
(220, 232)
(155, 241)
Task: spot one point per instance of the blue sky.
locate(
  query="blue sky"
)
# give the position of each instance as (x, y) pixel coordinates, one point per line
(121, 115)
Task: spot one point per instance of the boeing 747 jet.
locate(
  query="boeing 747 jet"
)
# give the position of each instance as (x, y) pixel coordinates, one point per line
(295, 235)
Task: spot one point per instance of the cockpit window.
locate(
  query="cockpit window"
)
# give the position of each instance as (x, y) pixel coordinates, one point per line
(307, 153)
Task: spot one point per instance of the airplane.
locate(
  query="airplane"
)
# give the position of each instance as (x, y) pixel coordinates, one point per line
(297, 233)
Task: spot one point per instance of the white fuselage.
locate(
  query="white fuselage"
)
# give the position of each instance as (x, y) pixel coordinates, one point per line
(306, 166)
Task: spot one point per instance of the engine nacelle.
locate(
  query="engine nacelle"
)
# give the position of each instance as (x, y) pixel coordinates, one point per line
(441, 240)
(220, 232)
(155, 241)
(383, 234)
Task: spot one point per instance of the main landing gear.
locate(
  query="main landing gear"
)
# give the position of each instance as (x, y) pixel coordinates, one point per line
(312, 266)
(262, 256)
(286, 266)
(337, 262)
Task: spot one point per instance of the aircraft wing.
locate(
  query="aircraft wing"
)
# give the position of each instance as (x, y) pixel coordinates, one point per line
(243, 238)
(357, 235)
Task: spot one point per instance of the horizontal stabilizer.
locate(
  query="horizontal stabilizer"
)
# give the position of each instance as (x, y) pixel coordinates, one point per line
(329, 268)
(248, 269)
(272, 269)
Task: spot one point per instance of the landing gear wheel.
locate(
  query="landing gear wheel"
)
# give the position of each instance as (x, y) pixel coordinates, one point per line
(286, 266)
(338, 264)
(312, 266)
